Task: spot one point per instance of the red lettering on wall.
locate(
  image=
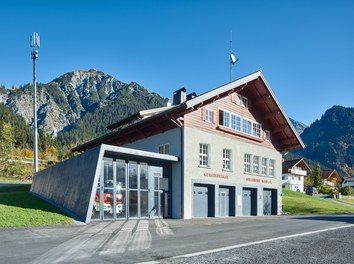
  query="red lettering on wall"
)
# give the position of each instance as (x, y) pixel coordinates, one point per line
(258, 180)
(216, 175)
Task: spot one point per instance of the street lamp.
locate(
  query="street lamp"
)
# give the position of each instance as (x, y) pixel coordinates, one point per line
(35, 43)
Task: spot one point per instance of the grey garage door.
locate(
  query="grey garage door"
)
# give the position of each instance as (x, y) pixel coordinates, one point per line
(200, 201)
(267, 202)
(224, 201)
(246, 202)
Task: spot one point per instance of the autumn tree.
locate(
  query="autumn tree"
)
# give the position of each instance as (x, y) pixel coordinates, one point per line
(7, 142)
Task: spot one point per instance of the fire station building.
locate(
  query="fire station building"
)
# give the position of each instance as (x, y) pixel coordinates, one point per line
(213, 155)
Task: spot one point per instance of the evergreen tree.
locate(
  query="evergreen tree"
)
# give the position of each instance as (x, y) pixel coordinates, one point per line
(316, 176)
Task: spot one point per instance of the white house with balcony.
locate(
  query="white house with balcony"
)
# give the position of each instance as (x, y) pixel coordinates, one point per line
(294, 172)
(349, 181)
(330, 178)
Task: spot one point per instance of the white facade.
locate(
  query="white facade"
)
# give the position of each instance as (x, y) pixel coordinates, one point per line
(348, 182)
(294, 182)
(214, 174)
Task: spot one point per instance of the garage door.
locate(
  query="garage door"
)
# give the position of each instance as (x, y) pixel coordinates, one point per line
(267, 202)
(200, 201)
(246, 202)
(224, 198)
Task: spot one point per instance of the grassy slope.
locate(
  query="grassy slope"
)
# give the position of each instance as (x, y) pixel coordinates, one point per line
(19, 208)
(299, 203)
(346, 200)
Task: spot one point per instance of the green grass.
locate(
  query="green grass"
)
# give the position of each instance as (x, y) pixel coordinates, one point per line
(12, 180)
(346, 200)
(20, 208)
(299, 203)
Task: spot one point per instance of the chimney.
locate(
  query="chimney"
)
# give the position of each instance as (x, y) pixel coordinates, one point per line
(179, 96)
(168, 102)
(191, 96)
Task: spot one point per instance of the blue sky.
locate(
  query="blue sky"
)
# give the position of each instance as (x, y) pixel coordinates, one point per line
(304, 48)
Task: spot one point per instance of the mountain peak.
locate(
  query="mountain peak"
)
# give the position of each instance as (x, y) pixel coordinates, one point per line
(68, 98)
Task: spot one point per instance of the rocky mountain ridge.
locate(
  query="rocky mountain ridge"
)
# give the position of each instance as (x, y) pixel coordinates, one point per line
(299, 126)
(68, 98)
(330, 140)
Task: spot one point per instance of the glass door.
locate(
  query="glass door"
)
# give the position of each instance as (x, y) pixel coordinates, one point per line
(133, 189)
(121, 189)
(127, 190)
(144, 190)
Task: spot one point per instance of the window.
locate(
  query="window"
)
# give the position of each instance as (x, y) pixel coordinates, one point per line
(164, 149)
(226, 159)
(235, 122)
(209, 116)
(240, 124)
(203, 155)
(247, 163)
(227, 119)
(246, 127)
(267, 135)
(271, 167)
(242, 101)
(255, 167)
(257, 130)
(264, 166)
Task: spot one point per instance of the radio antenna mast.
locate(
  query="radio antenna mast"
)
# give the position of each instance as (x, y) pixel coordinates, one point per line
(35, 44)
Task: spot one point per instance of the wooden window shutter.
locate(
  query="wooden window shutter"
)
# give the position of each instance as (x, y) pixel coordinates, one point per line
(214, 117)
(234, 98)
(221, 117)
(203, 114)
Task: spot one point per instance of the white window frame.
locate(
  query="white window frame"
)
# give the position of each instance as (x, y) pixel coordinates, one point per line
(203, 155)
(256, 129)
(242, 100)
(226, 119)
(247, 163)
(267, 135)
(264, 166)
(247, 124)
(209, 116)
(271, 168)
(255, 164)
(164, 149)
(235, 122)
(226, 159)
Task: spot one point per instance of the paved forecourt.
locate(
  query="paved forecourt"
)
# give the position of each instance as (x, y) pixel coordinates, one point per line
(162, 240)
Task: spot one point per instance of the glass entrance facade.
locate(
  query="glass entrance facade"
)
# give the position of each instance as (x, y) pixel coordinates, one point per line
(127, 189)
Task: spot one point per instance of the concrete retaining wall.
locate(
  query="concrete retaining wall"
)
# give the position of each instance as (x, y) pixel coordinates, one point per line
(69, 183)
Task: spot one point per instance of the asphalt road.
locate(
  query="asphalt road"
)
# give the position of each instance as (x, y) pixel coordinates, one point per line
(272, 239)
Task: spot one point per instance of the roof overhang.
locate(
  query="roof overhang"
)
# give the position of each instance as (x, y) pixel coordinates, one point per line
(254, 86)
(136, 154)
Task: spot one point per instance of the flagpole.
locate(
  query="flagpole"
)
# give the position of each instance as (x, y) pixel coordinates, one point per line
(230, 55)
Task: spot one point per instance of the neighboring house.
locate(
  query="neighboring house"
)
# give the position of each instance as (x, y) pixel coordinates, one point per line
(213, 155)
(348, 182)
(294, 172)
(330, 178)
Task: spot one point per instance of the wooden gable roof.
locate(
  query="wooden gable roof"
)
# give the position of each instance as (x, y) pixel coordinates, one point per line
(331, 175)
(151, 122)
(290, 164)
